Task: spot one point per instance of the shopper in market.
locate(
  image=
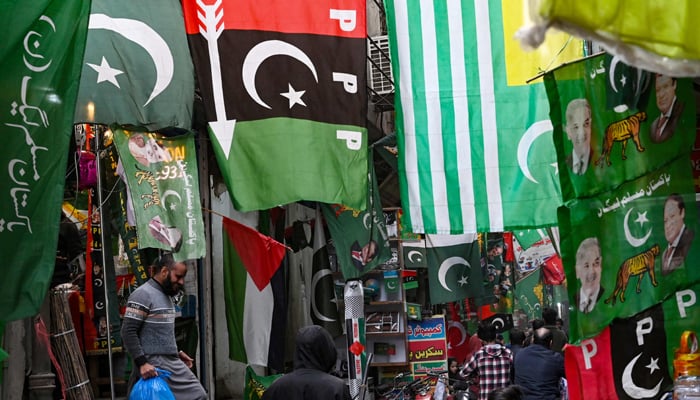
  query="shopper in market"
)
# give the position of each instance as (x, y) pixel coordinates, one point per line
(148, 331)
(491, 364)
(314, 358)
(559, 338)
(539, 369)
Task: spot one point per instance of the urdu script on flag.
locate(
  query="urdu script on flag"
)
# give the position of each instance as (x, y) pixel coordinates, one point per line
(475, 149)
(283, 84)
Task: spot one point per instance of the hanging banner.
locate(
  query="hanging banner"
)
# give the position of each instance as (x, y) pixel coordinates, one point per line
(161, 175)
(427, 345)
(629, 249)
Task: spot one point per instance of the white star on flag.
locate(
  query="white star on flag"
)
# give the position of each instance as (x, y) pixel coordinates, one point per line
(641, 218)
(294, 96)
(653, 365)
(106, 73)
(463, 281)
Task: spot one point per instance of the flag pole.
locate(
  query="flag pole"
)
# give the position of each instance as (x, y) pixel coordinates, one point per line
(98, 164)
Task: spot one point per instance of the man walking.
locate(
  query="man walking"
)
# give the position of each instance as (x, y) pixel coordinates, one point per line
(148, 331)
(492, 363)
(539, 369)
(559, 338)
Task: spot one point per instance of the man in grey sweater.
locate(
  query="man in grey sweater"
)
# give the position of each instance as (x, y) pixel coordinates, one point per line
(148, 331)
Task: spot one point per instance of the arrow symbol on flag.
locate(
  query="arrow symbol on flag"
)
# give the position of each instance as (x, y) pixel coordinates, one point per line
(208, 21)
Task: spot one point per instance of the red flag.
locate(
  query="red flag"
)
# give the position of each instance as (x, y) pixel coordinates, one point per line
(553, 270)
(590, 362)
(261, 255)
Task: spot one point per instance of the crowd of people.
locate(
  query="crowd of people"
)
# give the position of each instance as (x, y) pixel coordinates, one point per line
(531, 367)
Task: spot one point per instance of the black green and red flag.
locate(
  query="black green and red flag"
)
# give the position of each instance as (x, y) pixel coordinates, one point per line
(283, 84)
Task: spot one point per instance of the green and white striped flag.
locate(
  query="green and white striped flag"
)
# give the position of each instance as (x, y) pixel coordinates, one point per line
(475, 141)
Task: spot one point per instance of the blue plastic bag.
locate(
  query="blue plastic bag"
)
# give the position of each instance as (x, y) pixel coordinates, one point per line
(155, 388)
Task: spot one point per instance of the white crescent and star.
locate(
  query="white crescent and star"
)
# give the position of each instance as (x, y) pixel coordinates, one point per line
(414, 253)
(391, 285)
(446, 265)
(146, 37)
(533, 132)
(261, 52)
(499, 323)
(631, 239)
(611, 73)
(105, 73)
(631, 388)
(314, 281)
(167, 193)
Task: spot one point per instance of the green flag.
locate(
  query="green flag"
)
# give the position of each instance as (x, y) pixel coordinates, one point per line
(526, 238)
(528, 296)
(324, 307)
(161, 174)
(255, 385)
(137, 68)
(43, 43)
(475, 152)
(628, 249)
(609, 126)
(454, 267)
(360, 237)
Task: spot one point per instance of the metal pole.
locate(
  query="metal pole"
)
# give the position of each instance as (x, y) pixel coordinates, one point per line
(99, 132)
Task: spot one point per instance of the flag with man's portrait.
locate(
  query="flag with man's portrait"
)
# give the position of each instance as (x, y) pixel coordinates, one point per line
(605, 116)
(646, 232)
(474, 138)
(283, 85)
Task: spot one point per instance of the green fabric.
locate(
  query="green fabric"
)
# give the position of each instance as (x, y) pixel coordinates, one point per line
(147, 77)
(474, 148)
(43, 44)
(629, 223)
(255, 385)
(529, 296)
(235, 276)
(526, 238)
(324, 307)
(454, 267)
(164, 191)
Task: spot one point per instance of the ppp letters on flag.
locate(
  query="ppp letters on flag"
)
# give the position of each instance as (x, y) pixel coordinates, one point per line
(43, 44)
(137, 68)
(464, 110)
(163, 185)
(635, 357)
(628, 249)
(614, 123)
(283, 84)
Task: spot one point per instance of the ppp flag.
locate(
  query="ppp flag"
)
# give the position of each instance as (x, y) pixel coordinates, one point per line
(608, 123)
(283, 84)
(161, 175)
(628, 249)
(43, 44)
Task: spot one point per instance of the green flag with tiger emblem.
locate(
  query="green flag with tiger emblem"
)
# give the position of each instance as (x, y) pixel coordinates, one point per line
(630, 248)
(613, 123)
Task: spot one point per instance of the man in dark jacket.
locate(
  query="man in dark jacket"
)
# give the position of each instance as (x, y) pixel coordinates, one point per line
(538, 369)
(314, 358)
(559, 338)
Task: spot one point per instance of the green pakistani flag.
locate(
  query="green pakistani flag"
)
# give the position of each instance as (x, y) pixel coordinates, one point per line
(454, 267)
(43, 43)
(360, 237)
(414, 254)
(285, 98)
(475, 149)
(609, 126)
(324, 307)
(630, 248)
(137, 68)
(161, 175)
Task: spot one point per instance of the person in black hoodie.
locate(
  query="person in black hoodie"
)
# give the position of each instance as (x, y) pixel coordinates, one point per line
(314, 358)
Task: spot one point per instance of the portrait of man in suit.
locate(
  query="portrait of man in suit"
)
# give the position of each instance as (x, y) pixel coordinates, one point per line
(679, 237)
(664, 125)
(578, 130)
(588, 271)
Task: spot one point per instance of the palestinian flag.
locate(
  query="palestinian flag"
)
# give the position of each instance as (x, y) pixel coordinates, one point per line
(253, 290)
(283, 84)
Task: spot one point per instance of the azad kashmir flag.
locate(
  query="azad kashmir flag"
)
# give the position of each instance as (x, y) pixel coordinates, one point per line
(137, 68)
(359, 236)
(475, 151)
(283, 84)
(253, 290)
(630, 248)
(614, 123)
(454, 267)
(324, 307)
(43, 45)
(636, 357)
(161, 175)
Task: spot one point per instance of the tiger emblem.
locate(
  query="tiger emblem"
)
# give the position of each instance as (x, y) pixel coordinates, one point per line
(621, 131)
(635, 266)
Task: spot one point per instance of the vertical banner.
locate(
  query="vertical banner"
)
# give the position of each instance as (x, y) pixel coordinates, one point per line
(43, 44)
(355, 334)
(629, 249)
(161, 175)
(283, 84)
(475, 153)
